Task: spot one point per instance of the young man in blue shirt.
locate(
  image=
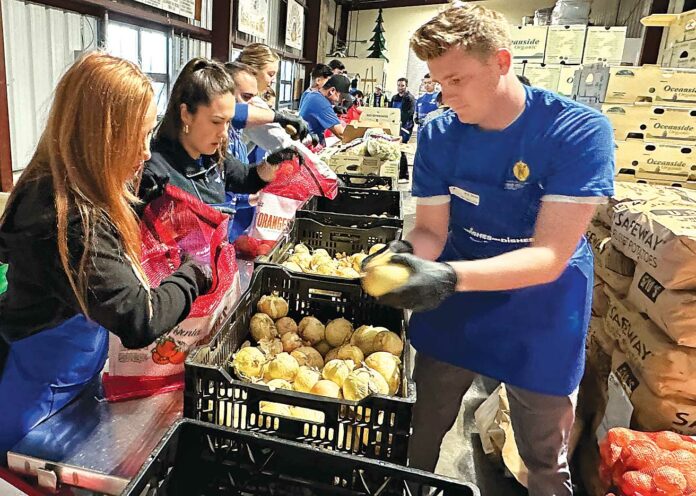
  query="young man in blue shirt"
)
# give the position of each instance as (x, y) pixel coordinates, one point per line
(318, 107)
(427, 102)
(320, 75)
(501, 275)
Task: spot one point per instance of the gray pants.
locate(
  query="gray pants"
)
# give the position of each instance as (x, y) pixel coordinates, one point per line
(542, 424)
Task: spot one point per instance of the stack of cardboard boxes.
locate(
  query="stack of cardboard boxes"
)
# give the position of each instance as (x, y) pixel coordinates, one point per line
(549, 56)
(388, 120)
(643, 326)
(679, 49)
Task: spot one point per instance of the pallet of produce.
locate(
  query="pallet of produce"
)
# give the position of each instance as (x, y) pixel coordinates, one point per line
(196, 459)
(310, 360)
(327, 251)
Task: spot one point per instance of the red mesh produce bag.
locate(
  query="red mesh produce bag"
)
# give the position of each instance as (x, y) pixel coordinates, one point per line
(172, 226)
(648, 463)
(296, 181)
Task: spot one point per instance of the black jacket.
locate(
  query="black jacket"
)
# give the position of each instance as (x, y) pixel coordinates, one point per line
(202, 178)
(408, 108)
(39, 295)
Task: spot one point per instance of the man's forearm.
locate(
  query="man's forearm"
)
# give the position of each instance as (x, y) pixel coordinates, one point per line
(426, 244)
(259, 116)
(513, 270)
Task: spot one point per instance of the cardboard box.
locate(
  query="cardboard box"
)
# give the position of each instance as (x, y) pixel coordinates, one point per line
(682, 55)
(357, 129)
(632, 84)
(656, 160)
(676, 87)
(604, 44)
(518, 68)
(590, 83)
(566, 79)
(681, 27)
(651, 121)
(528, 43)
(543, 76)
(343, 163)
(386, 118)
(564, 44)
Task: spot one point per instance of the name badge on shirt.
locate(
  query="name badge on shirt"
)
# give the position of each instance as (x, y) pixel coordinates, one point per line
(467, 196)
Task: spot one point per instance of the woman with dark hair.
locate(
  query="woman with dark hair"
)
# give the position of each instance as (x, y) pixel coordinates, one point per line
(189, 149)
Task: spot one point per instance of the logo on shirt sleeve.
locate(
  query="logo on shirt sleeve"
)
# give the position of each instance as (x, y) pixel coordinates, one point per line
(521, 171)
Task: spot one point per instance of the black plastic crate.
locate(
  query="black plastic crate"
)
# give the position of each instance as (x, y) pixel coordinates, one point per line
(197, 459)
(363, 181)
(334, 239)
(365, 202)
(376, 427)
(349, 220)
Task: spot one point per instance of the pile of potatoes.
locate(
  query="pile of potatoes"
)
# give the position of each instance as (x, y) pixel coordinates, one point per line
(308, 356)
(318, 261)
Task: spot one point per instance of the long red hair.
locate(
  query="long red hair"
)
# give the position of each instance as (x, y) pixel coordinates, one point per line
(90, 148)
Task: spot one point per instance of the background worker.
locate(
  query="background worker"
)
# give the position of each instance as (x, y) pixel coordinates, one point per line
(501, 275)
(406, 102)
(318, 107)
(427, 102)
(320, 75)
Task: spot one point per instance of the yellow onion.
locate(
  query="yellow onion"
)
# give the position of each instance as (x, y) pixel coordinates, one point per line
(303, 260)
(271, 408)
(337, 370)
(321, 252)
(291, 342)
(338, 332)
(306, 355)
(322, 347)
(306, 378)
(362, 383)
(311, 330)
(283, 366)
(279, 384)
(271, 347)
(350, 352)
(326, 269)
(327, 388)
(380, 279)
(248, 363)
(348, 272)
(300, 248)
(364, 338)
(292, 266)
(387, 365)
(356, 261)
(389, 341)
(285, 324)
(375, 248)
(332, 354)
(261, 327)
(273, 305)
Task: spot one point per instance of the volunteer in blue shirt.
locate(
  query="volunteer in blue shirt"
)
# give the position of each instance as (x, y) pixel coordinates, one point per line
(318, 107)
(427, 102)
(320, 75)
(501, 282)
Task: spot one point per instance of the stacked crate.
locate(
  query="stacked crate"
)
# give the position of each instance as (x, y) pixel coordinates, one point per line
(643, 326)
(549, 56)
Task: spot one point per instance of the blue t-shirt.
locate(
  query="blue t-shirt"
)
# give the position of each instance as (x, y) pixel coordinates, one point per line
(317, 110)
(557, 150)
(304, 95)
(425, 104)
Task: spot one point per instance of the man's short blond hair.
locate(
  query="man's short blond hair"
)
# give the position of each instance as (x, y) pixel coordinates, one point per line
(472, 28)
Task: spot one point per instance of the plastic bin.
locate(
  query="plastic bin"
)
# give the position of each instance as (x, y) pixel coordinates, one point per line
(376, 427)
(351, 203)
(361, 181)
(196, 459)
(334, 239)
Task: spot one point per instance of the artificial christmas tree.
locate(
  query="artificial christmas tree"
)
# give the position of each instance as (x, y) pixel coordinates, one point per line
(378, 46)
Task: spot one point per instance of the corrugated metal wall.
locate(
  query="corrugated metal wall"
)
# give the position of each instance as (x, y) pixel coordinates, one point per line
(621, 13)
(184, 49)
(40, 43)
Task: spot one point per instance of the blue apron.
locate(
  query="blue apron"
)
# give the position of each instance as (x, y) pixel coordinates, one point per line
(45, 372)
(406, 129)
(532, 337)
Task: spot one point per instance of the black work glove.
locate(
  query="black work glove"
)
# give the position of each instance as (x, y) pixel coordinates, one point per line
(295, 125)
(340, 109)
(429, 285)
(398, 246)
(276, 158)
(315, 139)
(152, 186)
(202, 272)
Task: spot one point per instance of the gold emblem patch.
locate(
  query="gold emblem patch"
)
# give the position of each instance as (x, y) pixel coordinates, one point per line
(521, 171)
